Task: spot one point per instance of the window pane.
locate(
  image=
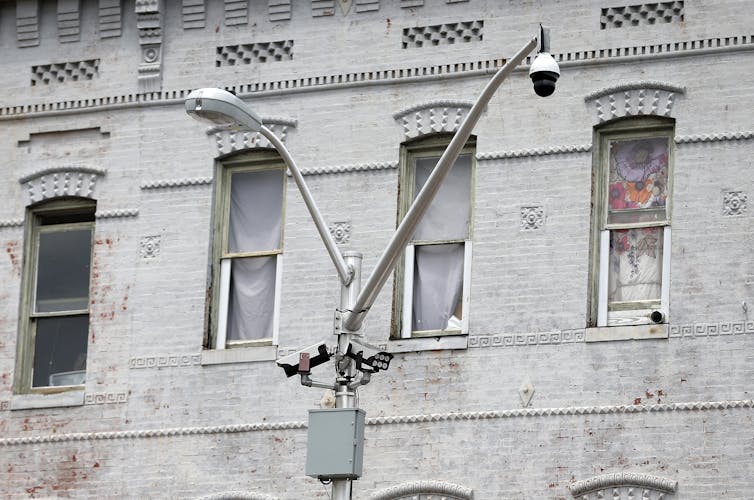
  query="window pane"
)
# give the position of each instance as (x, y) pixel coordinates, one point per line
(251, 306)
(449, 214)
(60, 350)
(256, 207)
(63, 270)
(438, 287)
(635, 264)
(638, 186)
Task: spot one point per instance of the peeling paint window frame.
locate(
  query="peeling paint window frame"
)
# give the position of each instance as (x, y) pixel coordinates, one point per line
(256, 161)
(401, 324)
(602, 312)
(71, 214)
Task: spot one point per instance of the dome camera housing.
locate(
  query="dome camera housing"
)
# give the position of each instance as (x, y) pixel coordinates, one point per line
(544, 72)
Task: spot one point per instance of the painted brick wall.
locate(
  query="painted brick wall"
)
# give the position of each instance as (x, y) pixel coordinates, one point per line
(157, 423)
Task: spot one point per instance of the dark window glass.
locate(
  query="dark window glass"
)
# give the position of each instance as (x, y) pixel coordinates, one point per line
(60, 350)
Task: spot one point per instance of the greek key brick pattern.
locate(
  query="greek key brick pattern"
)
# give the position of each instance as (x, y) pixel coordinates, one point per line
(712, 329)
(105, 398)
(440, 34)
(109, 18)
(635, 15)
(521, 339)
(193, 14)
(233, 55)
(64, 72)
(410, 4)
(167, 361)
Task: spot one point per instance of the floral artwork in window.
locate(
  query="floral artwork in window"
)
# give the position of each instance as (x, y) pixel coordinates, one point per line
(638, 183)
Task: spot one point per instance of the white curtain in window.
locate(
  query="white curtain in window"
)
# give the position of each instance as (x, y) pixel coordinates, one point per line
(252, 298)
(438, 285)
(448, 215)
(256, 207)
(635, 264)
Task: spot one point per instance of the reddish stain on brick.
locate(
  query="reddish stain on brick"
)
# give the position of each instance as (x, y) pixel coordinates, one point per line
(96, 465)
(11, 248)
(637, 401)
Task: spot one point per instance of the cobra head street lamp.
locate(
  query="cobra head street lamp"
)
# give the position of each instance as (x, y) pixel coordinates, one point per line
(221, 108)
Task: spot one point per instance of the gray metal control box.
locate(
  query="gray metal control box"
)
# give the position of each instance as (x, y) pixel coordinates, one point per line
(335, 447)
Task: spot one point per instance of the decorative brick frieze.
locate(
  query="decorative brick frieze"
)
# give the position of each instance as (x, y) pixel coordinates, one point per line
(110, 20)
(68, 21)
(694, 406)
(724, 136)
(410, 4)
(238, 494)
(166, 361)
(380, 77)
(650, 487)
(524, 339)
(522, 153)
(60, 181)
(105, 398)
(46, 74)
(117, 213)
(432, 117)
(442, 34)
(642, 14)
(279, 10)
(341, 169)
(193, 14)
(711, 329)
(260, 52)
(27, 23)
(173, 183)
(11, 223)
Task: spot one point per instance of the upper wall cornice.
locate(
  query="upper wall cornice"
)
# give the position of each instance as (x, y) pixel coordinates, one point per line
(314, 83)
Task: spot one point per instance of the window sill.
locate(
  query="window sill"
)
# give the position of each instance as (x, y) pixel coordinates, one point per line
(239, 355)
(437, 343)
(73, 397)
(637, 332)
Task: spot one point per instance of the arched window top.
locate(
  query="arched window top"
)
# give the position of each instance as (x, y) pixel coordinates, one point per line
(652, 487)
(231, 141)
(432, 117)
(633, 99)
(424, 490)
(61, 182)
(237, 495)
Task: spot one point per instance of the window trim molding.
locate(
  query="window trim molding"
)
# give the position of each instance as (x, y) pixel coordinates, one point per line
(219, 275)
(433, 145)
(24, 364)
(624, 128)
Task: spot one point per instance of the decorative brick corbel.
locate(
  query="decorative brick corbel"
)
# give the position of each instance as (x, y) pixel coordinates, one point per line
(149, 23)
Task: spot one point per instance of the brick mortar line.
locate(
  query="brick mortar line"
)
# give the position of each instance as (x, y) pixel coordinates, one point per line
(405, 419)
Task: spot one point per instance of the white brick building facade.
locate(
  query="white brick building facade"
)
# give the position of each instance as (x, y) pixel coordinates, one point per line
(535, 400)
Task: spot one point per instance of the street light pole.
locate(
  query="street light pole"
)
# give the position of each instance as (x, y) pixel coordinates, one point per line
(226, 110)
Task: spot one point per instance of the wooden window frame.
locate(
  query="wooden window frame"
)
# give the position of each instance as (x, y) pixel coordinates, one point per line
(262, 160)
(633, 313)
(403, 287)
(76, 208)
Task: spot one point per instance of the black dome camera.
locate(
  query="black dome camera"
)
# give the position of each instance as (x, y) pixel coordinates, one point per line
(544, 72)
